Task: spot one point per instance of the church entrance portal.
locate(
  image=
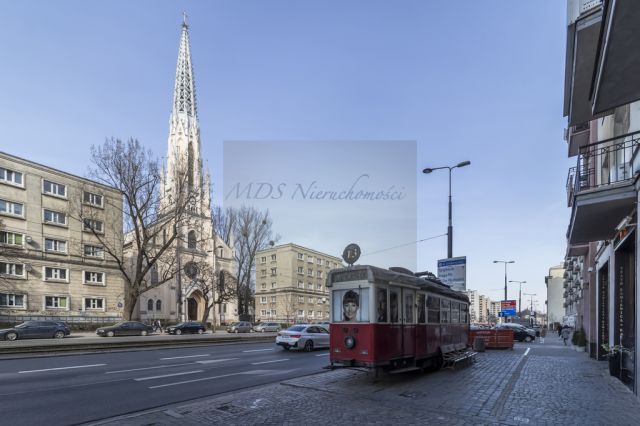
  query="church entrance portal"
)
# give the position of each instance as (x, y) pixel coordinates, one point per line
(192, 309)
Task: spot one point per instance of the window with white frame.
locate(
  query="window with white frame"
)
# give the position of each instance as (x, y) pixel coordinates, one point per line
(300, 284)
(93, 225)
(263, 259)
(300, 256)
(310, 286)
(11, 208)
(300, 313)
(309, 258)
(300, 270)
(273, 257)
(11, 238)
(264, 286)
(93, 199)
(310, 272)
(54, 218)
(273, 312)
(12, 269)
(93, 277)
(311, 314)
(319, 287)
(51, 244)
(93, 251)
(263, 299)
(11, 177)
(300, 299)
(263, 273)
(55, 274)
(12, 300)
(310, 300)
(263, 312)
(274, 285)
(56, 302)
(274, 271)
(52, 188)
(319, 261)
(273, 298)
(319, 300)
(319, 274)
(93, 303)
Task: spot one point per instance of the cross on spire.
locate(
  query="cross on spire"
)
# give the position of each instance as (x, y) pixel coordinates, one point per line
(184, 19)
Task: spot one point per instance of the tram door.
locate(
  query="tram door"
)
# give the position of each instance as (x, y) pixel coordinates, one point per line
(408, 321)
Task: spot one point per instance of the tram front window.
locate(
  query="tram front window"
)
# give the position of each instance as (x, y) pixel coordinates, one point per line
(351, 305)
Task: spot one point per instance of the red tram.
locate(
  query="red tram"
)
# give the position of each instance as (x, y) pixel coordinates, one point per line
(392, 319)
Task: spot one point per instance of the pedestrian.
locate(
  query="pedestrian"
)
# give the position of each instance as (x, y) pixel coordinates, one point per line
(566, 333)
(157, 326)
(559, 330)
(543, 334)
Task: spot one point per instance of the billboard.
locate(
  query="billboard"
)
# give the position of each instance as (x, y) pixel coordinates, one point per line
(453, 272)
(507, 308)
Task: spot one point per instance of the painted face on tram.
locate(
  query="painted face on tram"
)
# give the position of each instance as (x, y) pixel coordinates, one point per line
(350, 305)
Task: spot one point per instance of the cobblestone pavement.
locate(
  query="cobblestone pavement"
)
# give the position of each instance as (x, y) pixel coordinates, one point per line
(535, 384)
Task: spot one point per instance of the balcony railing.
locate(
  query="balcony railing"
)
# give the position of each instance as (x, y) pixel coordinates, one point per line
(604, 163)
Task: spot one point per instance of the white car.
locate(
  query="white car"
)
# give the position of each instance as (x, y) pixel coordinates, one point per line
(304, 337)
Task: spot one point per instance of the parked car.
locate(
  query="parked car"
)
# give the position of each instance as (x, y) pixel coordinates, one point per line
(240, 327)
(267, 326)
(125, 328)
(36, 329)
(303, 336)
(187, 327)
(520, 332)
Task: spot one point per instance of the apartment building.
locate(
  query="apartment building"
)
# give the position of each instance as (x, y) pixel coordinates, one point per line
(556, 283)
(291, 284)
(602, 93)
(494, 311)
(484, 304)
(51, 263)
(474, 305)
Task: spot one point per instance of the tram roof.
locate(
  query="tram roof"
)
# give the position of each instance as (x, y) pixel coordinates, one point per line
(373, 274)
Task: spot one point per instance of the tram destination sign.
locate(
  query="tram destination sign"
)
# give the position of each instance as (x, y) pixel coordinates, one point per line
(453, 272)
(343, 276)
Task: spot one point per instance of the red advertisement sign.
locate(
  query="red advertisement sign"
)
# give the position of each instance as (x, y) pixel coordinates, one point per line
(508, 304)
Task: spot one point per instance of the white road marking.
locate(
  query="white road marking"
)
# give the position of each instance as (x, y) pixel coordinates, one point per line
(61, 368)
(142, 379)
(327, 354)
(269, 362)
(148, 368)
(211, 361)
(206, 378)
(259, 350)
(186, 356)
(526, 352)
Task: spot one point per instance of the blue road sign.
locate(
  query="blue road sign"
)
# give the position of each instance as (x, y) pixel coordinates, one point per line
(507, 313)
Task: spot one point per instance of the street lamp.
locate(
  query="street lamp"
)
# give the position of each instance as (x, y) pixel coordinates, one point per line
(505, 275)
(519, 295)
(450, 228)
(531, 308)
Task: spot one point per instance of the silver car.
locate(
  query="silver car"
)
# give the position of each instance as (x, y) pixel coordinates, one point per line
(240, 327)
(303, 336)
(264, 327)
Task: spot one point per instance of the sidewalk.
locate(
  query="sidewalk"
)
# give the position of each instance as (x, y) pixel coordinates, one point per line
(549, 384)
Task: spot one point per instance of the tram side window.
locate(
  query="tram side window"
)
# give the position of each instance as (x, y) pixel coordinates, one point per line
(455, 312)
(351, 305)
(421, 309)
(433, 309)
(408, 308)
(445, 311)
(394, 306)
(464, 313)
(381, 305)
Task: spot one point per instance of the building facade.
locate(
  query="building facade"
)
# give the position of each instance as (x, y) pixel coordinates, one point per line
(51, 264)
(555, 283)
(474, 305)
(291, 284)
(484, 305)
(602, 94)
(198, 248)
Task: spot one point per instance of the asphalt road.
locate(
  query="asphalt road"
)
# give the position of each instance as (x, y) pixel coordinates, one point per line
(72, 389)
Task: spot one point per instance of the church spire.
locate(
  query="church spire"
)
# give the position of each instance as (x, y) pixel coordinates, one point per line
(184, 92)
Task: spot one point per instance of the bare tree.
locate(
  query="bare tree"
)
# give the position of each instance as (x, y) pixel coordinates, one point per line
(151, 227)
(224, 220)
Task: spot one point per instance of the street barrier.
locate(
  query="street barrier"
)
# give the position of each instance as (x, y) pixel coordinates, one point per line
(493, 339)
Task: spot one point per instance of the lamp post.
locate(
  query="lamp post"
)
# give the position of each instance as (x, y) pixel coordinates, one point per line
(450, 228)
(505, 275)
(531, 303)
(519, 295)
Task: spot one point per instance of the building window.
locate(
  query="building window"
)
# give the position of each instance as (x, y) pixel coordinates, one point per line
(300, 284)
(300, 256)
(310, 272)
(11, 238)
(54, 218)
(55, 245)
(273, 312)
(263, 312)
(52, 188)
(263, 299)
(319, 261)
(191, 240)
(56, 302)
(263, 259)
(319, 287)
(11, 208)
(263, 273)
(158, 305)
(93, 251)
(93, 199)
(319, 274)
(310, 314)
(55, 274)
(264, 286)
(300, 299)
(150, 305)
(93, 304)
(12, 269)
(274, 285)
(10, 176)
(309, 259)
(300, 270)
(93, 225)
(12, 300)
(273, 257)
(274, 271)
(273, 298)
(91, 277)
(310, 286)
(310, 300)
(300, 313)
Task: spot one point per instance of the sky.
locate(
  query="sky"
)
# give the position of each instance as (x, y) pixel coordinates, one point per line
(477, 81)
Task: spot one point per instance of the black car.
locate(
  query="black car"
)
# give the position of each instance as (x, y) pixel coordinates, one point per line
(520, 332)
(125, 328)
(36, 329)
(187, 327)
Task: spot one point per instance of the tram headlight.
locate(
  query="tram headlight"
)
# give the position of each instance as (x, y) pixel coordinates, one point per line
(349, 342)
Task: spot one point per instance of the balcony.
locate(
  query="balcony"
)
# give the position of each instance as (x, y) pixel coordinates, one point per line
(600, 189)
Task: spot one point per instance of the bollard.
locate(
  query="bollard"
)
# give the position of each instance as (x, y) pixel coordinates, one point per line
(478, 344)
